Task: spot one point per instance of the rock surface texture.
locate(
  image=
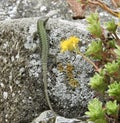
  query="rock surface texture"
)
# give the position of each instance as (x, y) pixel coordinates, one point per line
(21, 88)
(22, 93)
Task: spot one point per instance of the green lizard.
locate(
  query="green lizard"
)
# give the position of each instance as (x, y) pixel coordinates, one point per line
(45, 49)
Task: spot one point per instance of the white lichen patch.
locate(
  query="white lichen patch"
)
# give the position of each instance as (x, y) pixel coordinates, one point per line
(2, 85)
(17, 82)
(17, 56)
(5, 95)
(5, 45)
(11, 88)
(13, 94)
(13, 9)
(29, 44)
(4, 59)
(32, 29)
(43, 9)
(35, 65)
(22, 70)
(10, 76)
(12, 58)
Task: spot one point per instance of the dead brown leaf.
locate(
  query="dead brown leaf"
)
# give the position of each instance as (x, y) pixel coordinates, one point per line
(77, 9)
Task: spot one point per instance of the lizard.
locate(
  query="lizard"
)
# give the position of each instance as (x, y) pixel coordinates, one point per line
(44, 44)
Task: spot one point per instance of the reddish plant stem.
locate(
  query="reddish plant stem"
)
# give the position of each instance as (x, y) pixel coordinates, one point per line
(103, 6)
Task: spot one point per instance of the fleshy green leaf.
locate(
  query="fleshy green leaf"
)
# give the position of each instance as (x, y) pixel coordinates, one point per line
(96, 111)
(94, 25)
(101, 121)
(95, 29)
(111, 26)
(95, 50)
(111, 43)
(114, 90)
(97, 82)
(111, 68)
(93, 18)
(112, 108)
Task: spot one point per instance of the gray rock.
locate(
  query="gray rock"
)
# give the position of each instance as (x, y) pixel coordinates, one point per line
(66, 120)
(21, 88)
(12, 9)
(48, 117)
(45, 117)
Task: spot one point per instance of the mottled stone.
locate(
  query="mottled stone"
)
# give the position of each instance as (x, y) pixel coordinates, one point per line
(12, 9)
(21, 88)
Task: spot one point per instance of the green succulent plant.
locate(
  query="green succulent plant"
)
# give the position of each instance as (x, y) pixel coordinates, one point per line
(104, 50)
(114, 90)
(92, 18)
(111, 26)
(95, 50)
(98, 83)
(95, 29)
(96, 111)
(94, 25)
(112, 68)
(112, 108)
